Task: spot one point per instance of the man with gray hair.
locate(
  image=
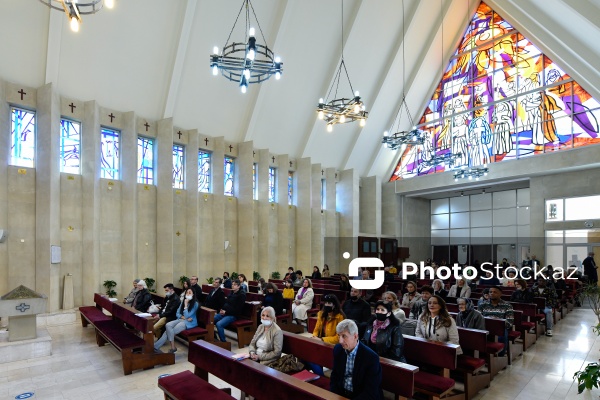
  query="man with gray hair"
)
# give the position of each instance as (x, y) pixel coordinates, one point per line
(356, 370)
(129, 299)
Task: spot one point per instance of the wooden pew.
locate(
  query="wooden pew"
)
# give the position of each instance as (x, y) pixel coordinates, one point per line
(187, 386)
(136, 352)
(93, 314)
(527, 323)
(473, 341)
(250, 377)
(496, 363)
(245, 326)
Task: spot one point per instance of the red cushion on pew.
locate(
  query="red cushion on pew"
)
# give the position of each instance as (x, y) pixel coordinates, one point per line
(93, 314)
(432, 383)
(494, 347)
(528, 325)
(469, 363)
(539, 317)
(193, 332)
(187, 386)
(121, 337)
(241, 323)
(512, 335)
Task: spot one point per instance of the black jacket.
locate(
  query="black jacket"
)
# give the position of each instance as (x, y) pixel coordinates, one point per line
(316, 275)
(227, 283)
(215, 299)
(142, 300)
(443, 293)
(234, 305)
(197, 291)
(390, 342)
(169, 308)
(366, 375)
(359, 311)
(522, 296)
(276, 301)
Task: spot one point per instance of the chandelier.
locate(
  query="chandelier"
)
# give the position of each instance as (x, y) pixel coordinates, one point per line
(471, 173)
(414, 137)
(447, 159)
(248, 62)
(341, 110)
(75, 9)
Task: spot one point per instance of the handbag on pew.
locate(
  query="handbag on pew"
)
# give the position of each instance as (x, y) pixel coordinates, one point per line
(287, 364)
(409, 327)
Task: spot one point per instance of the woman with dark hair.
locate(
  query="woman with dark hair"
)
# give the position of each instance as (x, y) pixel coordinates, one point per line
(344, 283)
(186, 319)
(316, 273)
(326, 273)
(327, 321)
(468, 316)
(436, 324)
(273, 298)
(186, 284)
(303, 301)
(522, 293)
(411, 295)
(243, 282)
(383, 334)
(288, 290)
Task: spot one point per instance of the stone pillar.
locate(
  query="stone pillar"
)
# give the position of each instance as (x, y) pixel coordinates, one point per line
(245, 209)
(303, 214)
(180, 218)
(331, 243)
(370, 206)
(348, 204)
(47, 193)
(265, 211)
(283, 210)
(390, 210)
(217, 225)
(129, 201)
(317, 219)
(5, 129)
(415, 220)
(191, 209)
(164, 200)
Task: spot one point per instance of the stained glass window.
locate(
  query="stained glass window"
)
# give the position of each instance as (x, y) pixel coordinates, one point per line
(229, 164)
(203, 171)
(70, 146)
(272, 186)
(109, 140)
(145, 171)
(254, 179)
(290, 188)
(22, 138)
(178, 167)
(323, 194)
(500, 98)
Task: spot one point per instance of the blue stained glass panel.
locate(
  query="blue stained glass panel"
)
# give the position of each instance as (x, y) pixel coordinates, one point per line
(203, 171)
(290, 187)
(229, 169)
(272, 179)
(145, 171)
(22, 138)
(178, 167)
(70, 146)
(109, 141)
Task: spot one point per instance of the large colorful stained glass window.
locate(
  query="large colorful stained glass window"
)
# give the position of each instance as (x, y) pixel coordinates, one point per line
(290, 188)
(109, 157)
(178, 167)
(500, 98)
(272, 180)
(145, 170)
(22, 138)
(70, 146)
(203, 171)
(229, 164)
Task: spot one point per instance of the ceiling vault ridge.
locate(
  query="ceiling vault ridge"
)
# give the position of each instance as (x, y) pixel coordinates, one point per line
(55, 24)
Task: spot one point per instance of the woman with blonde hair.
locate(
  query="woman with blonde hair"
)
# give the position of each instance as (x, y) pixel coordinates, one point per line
(460, 289)
(390, 297)
(267, 342)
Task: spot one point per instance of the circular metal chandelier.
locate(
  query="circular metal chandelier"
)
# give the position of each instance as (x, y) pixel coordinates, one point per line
(76, 8)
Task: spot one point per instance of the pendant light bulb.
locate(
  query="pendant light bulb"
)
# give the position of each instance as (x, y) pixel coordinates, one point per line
(329, 128)
(74, 24)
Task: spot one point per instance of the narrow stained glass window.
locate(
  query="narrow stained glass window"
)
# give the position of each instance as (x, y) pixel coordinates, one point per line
(290, 188)
(22, 138)
(323, 194)
(109, 140)
(70, 146)
(178, 167)
(145, 172)
(203, 171)
(254, 188)
(229, 167)
(272, 179)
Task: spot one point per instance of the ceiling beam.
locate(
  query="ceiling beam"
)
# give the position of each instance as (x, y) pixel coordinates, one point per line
(184, 39)
(55, 25)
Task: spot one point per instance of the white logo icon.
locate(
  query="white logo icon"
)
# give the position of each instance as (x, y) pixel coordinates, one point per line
(366, 262)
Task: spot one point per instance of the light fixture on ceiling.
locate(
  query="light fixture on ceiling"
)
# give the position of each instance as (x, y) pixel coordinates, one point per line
(75, 9)
(446, 160)
(415, 136)
(341, 110)
(471, 173)
(248, 62)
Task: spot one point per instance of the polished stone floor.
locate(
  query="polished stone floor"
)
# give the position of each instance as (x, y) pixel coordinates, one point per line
(79, 369)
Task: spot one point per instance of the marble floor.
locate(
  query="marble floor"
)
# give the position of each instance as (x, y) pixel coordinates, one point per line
(79, 369)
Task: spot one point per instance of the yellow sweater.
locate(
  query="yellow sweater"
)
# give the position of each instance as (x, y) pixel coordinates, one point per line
(289, 293)
(330, 335)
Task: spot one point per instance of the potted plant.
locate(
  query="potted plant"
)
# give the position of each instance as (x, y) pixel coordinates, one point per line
(182, 279)
(109, 285)
(275, 275)
(150, 283)
(589, 377)
(234, 276)
(210, 280)
(255, 276)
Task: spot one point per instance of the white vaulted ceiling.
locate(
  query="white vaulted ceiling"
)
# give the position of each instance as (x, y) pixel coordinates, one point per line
(152, 57)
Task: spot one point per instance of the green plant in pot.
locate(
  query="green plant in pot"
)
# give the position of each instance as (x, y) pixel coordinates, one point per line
(234, 276)
(255, 275)
(182, 279)
(275, 275)
(589, 377)
(109, 285)
(210, 280)
(150, 283)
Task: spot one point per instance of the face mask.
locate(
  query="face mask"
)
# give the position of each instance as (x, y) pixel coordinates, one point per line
(224, 278)
(380, 317)
(327, 309)
(353, 298)
(266, 322)
(189, 297)
(168, 294)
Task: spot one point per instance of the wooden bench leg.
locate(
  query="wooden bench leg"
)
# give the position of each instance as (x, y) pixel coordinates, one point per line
(528, 340)
(475, 383)
(496, 364)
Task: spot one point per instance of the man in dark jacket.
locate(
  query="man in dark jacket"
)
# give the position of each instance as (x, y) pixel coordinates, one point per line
(358, 310)
(356, 370)
(231, 310)
(226, 280)
(142, 299)
(168, 309)
(590, 269)
(196, 288)
(216, 297)
(421, 304)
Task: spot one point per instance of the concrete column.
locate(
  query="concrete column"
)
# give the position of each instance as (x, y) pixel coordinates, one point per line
(347, 200)
(4, 144)
(415, 214)
(245, 210)
(390, 210)
(265, 211)
(303, 213)
(331, 243)
(191, 208)
(317, 219)
(370, 206)
(129, 201)
(283, 212)
(47, 191)
(164, 200)
(217, 224)
(180, 219)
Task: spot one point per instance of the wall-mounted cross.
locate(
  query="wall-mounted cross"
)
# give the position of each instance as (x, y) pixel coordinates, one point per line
(322, 172)
(111, 116)
(230, 148)
(179, 133)
(147, 126)
(253, 154)
(72, 107)
(23, 307)
(206, 141)
(290, 164)
(22, 93)
(273, 158)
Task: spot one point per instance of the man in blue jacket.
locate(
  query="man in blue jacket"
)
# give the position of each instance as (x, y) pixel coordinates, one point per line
(356, 370)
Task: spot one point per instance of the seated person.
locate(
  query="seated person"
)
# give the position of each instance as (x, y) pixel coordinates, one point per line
(390, 297)
(168, 309)
(356, 370)
(436, 324)
(299, 279)
(485, 297)
(383, 334)
(460, 289)
(216, 298)
(273, 298)
(387, 274)
(316, 273)
(226, 280)
(290, 275)
(327, 320)
(231, 310)
(421, 304)
(243, 282)
(508, 278)
(267, 342)
(522, 293)
(262, 284)
(344, 283)
(326, 272)
(438, 288)
(543, 290)
(288, 291)
(495, 307)
(186, 319)
(143, 299)
(411, 295)
(356, 309)
(468, 316)
(129, 299)
(185, 285)
(303, 301)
